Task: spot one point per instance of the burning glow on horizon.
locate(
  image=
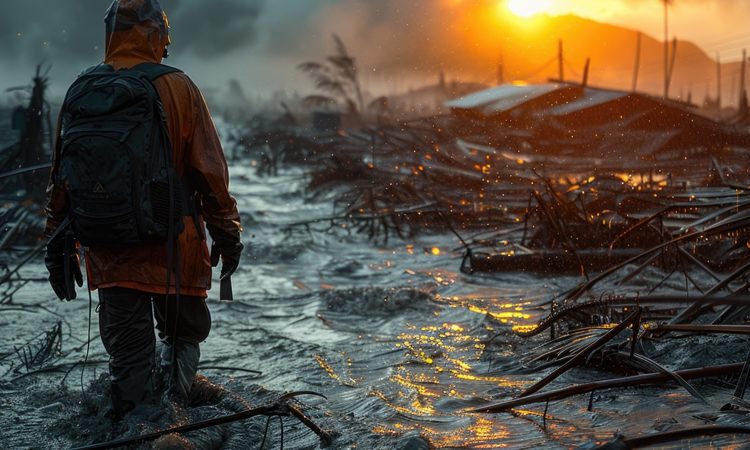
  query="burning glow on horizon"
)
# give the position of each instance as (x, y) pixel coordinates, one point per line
(528, 8)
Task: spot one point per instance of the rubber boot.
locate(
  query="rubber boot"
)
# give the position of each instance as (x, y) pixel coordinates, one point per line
(179, 364)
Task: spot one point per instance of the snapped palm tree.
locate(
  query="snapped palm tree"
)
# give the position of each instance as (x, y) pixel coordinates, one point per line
(337, 79)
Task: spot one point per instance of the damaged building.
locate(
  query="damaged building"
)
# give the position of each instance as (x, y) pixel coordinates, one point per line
(571, 119)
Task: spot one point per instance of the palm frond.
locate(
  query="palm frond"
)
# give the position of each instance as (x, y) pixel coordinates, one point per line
(312, 101)
(345, 66)
(331, 86)
(337, 76)
(340, 47)
(312, 66)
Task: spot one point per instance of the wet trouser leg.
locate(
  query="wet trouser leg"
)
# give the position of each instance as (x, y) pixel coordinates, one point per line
(182, 327)
(127, 330)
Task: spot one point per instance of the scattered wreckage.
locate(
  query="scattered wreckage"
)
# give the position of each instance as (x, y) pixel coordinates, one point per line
(555, 179)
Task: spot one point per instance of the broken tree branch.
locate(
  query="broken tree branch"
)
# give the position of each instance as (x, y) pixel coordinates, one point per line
(635, 380)
(580, 356)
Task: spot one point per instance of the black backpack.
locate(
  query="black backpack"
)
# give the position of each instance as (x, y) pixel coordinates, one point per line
(116, 158)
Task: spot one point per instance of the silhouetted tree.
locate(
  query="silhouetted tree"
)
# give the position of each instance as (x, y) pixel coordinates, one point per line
(337, 77)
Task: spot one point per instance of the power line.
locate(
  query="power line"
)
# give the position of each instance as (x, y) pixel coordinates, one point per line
(740, 36)
(572, 69)
(537, 71)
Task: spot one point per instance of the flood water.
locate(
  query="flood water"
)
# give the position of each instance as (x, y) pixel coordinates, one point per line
(396, 338)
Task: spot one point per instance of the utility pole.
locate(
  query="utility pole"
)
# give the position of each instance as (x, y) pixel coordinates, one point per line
(718, 81)
(637, 67)
(501, 69)
(560, 61)
(743, 108)
(671, 65)
(666, 49)
(743, 72)
(586, 72)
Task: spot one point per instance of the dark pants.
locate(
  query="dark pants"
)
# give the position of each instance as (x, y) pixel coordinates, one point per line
(126, 325)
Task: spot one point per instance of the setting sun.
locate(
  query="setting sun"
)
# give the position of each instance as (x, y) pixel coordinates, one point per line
(528, 8)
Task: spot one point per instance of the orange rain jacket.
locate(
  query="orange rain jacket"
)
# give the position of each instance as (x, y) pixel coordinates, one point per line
(197, 157)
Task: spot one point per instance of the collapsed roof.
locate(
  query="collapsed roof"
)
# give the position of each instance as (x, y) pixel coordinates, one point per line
(585, 115)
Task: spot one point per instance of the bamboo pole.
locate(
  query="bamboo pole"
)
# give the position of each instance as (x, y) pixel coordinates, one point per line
(689, 433)
(637, 66)
(635, 380)
(718, 80)
(586, 72)
(666, 49)
(690, 328)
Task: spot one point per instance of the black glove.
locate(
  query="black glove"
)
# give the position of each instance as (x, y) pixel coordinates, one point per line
(229, 255)
(226, 248)
(63, 265)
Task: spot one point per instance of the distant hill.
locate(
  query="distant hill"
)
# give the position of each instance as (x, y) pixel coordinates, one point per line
(612, 50)
(470, 48)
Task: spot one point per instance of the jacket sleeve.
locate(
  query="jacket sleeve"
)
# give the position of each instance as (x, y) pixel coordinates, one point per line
(208, 173)
(57, 205)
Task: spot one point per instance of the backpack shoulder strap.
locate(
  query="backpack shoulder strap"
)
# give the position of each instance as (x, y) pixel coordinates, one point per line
(99, 68)
(154, 70)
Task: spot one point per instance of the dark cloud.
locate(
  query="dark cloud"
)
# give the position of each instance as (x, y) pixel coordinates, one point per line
(211, 28)
(73, 30)
(261, 42)
(40, 29)
(414, 36)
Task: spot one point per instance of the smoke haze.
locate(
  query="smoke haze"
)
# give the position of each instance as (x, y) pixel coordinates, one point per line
(398, 43)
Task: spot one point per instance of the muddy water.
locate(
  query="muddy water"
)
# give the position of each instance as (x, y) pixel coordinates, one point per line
(395, 337)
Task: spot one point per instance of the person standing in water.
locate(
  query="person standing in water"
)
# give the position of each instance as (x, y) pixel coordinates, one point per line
(152, 260)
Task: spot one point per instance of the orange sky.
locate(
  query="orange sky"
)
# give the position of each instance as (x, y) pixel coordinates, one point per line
(398, 43)
(715, 25)
(415, 37)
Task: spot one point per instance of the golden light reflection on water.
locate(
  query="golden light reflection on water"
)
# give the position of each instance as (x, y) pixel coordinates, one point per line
(524, 328)
(448, 364)
(419, 407)
(518, 318)
(325, 365)
(500, 381)
(444, 372)
(641, 179)
(483, 433)
(404, 379)
(503, 316)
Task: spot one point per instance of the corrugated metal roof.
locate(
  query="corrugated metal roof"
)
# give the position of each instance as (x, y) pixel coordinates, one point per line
(638, 142)
(590, 98)
(503, 97)
(556, 100)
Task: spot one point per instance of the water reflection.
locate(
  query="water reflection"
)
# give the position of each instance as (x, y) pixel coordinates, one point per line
(447, 372)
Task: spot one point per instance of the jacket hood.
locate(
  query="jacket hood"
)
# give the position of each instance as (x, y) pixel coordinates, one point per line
(136, 31)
